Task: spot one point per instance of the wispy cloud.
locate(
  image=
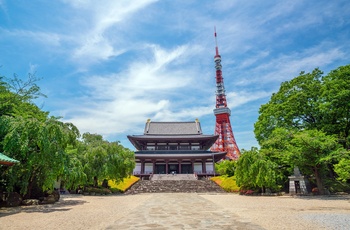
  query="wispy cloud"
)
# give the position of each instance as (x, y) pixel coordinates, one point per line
(118, 63)
(43, 38)
(287, 66)
(237, 99)
(94, 43)
(143, 90)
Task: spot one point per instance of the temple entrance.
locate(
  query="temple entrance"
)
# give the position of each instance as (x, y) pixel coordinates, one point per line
(160, 169)
(186, 169)
(173, 168)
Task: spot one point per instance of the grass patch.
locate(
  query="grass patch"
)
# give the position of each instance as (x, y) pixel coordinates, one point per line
(123, 185)
(226, 183)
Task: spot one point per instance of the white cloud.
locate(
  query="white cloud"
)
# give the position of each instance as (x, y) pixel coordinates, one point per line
(118, 102)
(286, 66)
(94, 44)
(44, 38)
(236, 99)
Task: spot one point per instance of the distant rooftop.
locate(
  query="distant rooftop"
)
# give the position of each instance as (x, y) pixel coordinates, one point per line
(173, 128)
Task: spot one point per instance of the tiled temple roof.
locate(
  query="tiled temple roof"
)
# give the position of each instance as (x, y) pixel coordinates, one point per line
(173, 128)
(185, 132)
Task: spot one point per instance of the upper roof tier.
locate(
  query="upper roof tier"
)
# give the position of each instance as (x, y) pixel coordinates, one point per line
(172, 132)
(173, 128)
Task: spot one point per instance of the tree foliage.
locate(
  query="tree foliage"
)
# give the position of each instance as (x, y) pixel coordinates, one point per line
(49, 149)
(40, 148)
(304, 123)
(311, 151)
(255, 171)
(226, 167)
(99, 159)
(294, 106)
(309, 101)
(343, 169)
(335, 106)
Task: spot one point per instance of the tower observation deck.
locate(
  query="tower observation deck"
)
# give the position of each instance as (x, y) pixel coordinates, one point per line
(226, 141)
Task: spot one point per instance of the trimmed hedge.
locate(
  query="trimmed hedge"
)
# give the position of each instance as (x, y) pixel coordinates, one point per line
(226, 183)
(123, 185)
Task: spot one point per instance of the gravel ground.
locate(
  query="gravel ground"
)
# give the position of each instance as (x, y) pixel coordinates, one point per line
(286, 212)
(102, 212)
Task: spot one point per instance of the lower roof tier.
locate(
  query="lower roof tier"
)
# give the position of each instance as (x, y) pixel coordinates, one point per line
(141, 140)
(179, 155)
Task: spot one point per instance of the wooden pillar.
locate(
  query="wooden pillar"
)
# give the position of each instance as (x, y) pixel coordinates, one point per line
(192, 164)
(154, 166)
(166, 166)
(180, 161)
(142, 166)
(204, 167)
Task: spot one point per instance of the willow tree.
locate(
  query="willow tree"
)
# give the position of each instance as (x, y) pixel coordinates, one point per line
(30, 136)
(254, 170)
(102, 159)
(40, 148)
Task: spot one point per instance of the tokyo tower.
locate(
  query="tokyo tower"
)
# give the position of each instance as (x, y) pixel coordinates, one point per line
(226, 141)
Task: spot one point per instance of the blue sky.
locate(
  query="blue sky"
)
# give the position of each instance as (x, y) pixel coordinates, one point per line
(108, 66)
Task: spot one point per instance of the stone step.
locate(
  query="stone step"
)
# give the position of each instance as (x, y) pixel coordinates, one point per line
(173, 177)
(175, 186)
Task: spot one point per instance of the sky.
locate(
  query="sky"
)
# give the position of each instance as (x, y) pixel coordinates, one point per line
(107, 66)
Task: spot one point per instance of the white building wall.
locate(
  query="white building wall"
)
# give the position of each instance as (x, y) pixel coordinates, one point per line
(148, 167)
(209, 166)
(137, 168)
(197, 167)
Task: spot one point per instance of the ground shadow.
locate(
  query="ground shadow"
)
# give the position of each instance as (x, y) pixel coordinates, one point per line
(64, 204)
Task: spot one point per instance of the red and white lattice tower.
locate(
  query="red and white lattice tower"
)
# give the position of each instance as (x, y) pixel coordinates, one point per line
(226, 141)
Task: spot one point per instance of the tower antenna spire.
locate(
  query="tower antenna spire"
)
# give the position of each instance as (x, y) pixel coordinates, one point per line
(216, 42)
(226, 141)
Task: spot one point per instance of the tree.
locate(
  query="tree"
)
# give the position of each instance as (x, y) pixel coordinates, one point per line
(226, 167)
(343, 169)
(336, 104)
(254, 171)
(311, 150)
(309, 107)
(40, 148)
(16, 96)
(104, 160)
(294, 106)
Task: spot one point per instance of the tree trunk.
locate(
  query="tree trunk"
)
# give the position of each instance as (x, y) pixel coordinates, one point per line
(29, 188)
(319, 181)
(95, 181)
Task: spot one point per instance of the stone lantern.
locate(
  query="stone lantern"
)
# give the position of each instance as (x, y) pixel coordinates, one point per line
(298, 184)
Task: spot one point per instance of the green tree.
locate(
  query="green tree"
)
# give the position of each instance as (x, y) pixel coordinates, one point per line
(104, 160)
(310, 105)
(294, 106)
(40, 148)
(16, 97)
(226, 167)
(311, 151)
(255, 171)
(336, 104)
(343, 169)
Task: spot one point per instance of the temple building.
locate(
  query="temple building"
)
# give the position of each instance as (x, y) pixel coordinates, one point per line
(174, 148)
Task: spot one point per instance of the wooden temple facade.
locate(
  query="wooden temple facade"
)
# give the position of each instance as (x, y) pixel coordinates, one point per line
(174, 148)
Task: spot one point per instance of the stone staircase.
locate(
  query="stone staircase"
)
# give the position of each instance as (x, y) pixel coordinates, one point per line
(174, 186)
(173, 177)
